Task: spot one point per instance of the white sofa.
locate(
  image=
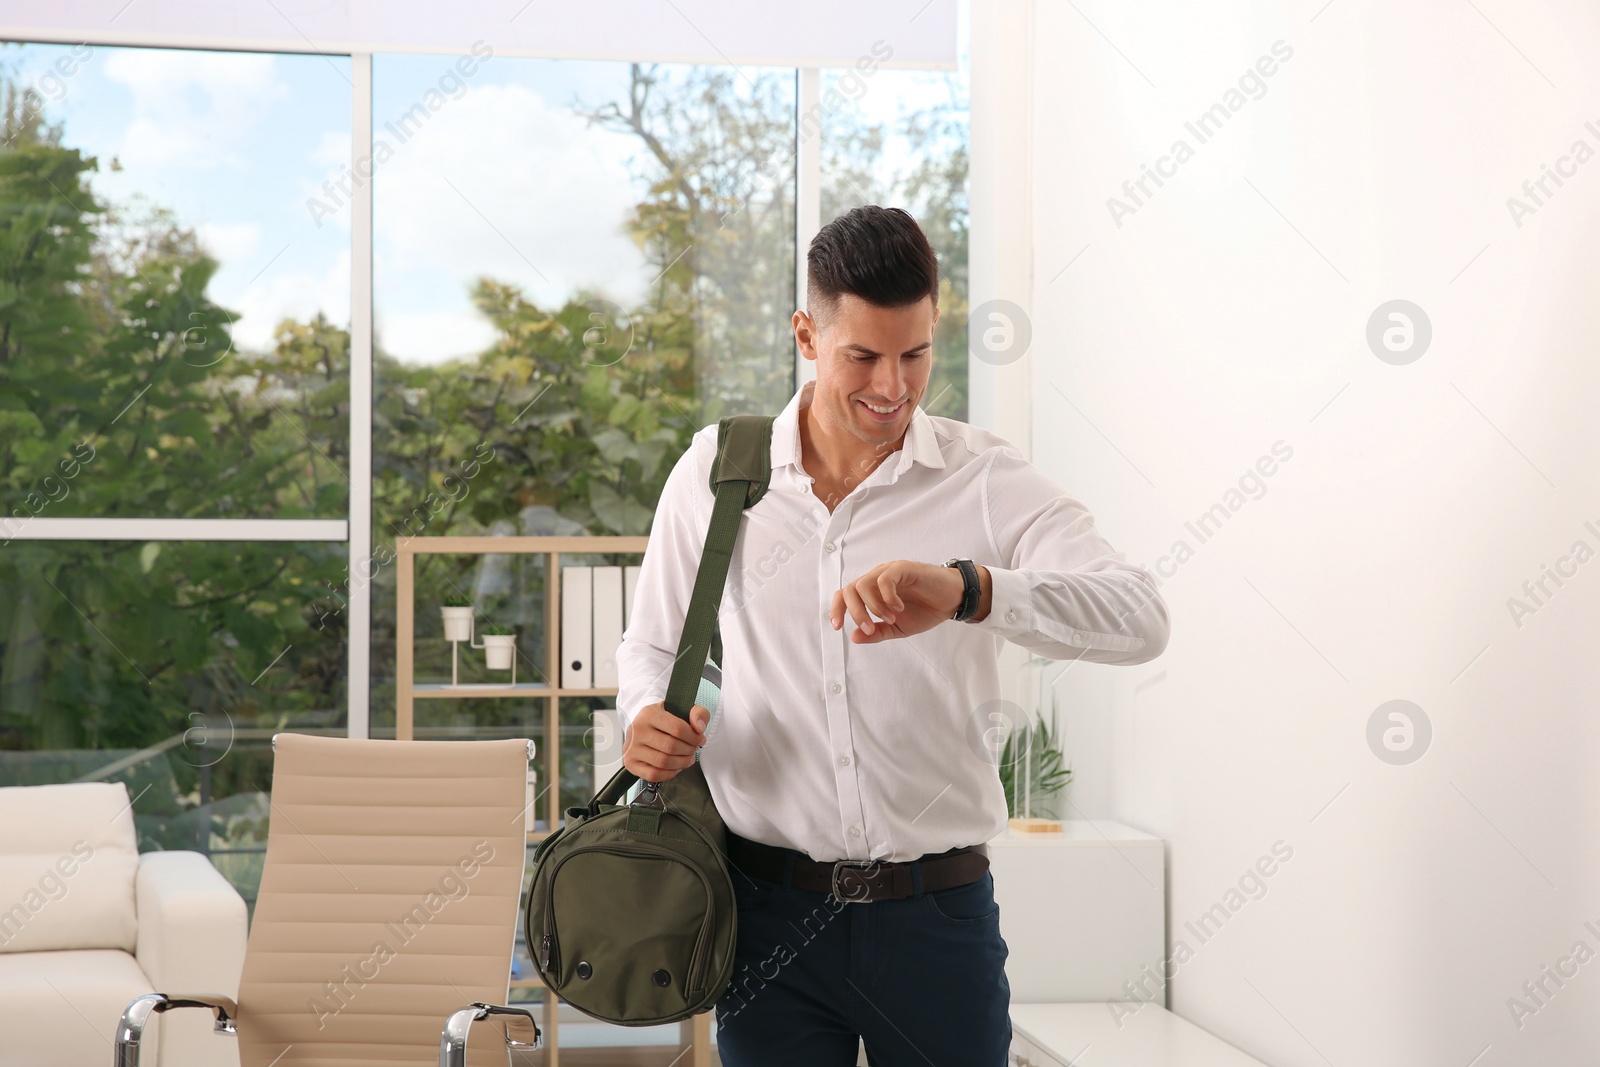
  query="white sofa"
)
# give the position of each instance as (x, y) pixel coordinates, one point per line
(87, 924)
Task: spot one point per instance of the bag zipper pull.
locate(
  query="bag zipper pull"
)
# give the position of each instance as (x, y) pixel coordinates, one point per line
(545, 943)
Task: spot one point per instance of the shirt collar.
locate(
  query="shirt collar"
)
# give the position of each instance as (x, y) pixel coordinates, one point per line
(921, 444)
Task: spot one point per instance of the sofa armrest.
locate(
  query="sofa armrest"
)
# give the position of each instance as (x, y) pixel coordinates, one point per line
(192, 925)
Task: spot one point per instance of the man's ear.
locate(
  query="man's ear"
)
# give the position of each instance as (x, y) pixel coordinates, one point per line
(806, 334)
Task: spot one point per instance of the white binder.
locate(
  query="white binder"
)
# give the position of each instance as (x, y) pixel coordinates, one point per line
(630, 582)
(607, 625)
(577, 637)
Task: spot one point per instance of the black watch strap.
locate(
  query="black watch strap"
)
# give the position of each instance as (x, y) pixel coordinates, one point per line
(971, 591)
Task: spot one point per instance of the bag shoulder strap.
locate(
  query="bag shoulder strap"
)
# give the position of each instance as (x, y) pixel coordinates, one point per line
(740, 476)
(744, 453)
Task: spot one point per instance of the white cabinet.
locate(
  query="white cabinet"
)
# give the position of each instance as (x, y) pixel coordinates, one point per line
(1082, 912)
(1121, 1035)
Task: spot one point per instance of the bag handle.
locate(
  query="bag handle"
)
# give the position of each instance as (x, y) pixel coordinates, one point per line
(739, 477)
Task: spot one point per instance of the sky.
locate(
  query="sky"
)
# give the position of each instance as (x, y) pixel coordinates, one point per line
(501, 179)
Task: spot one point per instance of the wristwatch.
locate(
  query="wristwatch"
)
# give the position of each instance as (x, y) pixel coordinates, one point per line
(971, 591)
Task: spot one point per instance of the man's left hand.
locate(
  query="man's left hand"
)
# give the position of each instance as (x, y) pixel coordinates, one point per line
(908, 597)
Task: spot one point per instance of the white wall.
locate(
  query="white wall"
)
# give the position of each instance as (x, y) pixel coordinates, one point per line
(1229, 312)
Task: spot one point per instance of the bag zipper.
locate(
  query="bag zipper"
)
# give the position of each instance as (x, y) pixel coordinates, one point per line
(550, 947)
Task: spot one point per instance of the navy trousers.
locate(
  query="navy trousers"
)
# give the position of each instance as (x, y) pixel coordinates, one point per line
(920, 980)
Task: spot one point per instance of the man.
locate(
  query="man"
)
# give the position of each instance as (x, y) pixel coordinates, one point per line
(860, 677)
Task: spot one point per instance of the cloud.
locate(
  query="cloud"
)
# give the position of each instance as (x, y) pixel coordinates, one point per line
(192, 109)
(504, 184)
(333, 150)
(229, 242)
(433, 337)
(282, 292)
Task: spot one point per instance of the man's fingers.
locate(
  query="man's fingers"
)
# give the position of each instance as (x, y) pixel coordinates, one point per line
(889, 589)
(657, 717)
(652, 771)
(878, 591)
(882, 632)
(857, 607)
(873, 599)
(642, 761)
(653, 745)
(667, 763)
(658, 750)
(702, 719)
(661, 744)
(663, 741)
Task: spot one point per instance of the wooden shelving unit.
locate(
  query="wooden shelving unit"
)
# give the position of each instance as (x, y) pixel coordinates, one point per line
(694, 1034)
(407, 692)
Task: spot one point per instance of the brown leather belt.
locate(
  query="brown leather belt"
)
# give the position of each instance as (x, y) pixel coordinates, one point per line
(859, 881)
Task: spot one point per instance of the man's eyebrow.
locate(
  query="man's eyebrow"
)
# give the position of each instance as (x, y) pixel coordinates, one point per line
(864, 350)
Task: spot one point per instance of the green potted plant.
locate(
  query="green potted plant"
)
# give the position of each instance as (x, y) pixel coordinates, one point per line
(1033, 774)
(457, 612)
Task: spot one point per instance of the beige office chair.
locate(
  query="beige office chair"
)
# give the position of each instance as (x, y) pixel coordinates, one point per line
(387, 913)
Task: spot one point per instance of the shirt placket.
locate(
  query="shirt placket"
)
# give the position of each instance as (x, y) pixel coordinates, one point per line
(835, 689)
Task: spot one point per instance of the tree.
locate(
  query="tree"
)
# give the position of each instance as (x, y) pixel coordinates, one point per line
(932, 186)
(717, 223)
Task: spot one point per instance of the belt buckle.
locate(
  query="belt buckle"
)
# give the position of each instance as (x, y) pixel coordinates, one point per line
(838, 866)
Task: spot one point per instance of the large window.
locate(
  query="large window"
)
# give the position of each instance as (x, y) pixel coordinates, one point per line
(173, 346)
(575, 265)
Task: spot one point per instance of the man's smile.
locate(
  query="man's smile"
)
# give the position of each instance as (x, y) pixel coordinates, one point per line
(882, 412)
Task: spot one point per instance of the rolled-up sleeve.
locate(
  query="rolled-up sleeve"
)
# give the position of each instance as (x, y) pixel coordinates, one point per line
(666, 580)
(1059, 589)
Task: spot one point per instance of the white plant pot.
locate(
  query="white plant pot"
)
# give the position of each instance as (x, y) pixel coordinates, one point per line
(457, 624)
(498, 650)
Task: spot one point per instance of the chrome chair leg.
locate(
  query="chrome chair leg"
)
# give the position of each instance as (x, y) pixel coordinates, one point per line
(128, 1046)
(453, 1038)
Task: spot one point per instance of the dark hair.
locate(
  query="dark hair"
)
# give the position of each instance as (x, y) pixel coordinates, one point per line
(879, 254)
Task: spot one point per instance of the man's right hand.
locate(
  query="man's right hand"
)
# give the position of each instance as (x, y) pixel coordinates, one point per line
(659, 744)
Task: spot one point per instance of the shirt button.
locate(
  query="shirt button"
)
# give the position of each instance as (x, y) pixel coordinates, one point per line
(1011, 616)
(844, 761)
(828, 547)
(835, 687)
(855, 831)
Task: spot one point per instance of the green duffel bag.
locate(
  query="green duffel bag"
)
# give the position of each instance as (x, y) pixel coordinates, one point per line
(631, 915)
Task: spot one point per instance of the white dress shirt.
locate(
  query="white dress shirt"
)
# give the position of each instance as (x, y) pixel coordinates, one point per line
(877, 751)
